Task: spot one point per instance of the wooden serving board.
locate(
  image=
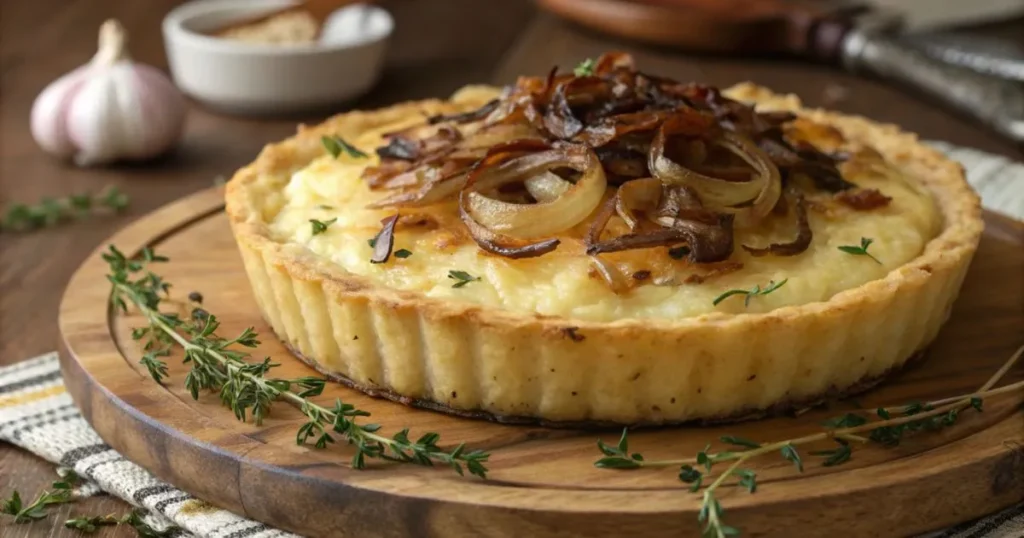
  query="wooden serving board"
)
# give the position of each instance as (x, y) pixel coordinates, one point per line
(542, 482)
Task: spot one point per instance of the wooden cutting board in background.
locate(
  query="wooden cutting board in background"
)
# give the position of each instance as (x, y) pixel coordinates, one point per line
(760, 27)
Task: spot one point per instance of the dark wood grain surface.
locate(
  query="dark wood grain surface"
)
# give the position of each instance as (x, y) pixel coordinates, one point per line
(439, 45)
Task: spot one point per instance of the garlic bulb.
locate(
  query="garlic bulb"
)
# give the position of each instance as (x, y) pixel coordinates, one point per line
(110, 109)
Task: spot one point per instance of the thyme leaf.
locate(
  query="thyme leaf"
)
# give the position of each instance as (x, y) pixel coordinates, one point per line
(754, 292)
(335, 145)
(862, 250)
(320, 226)
(585, 68)
(461, 278)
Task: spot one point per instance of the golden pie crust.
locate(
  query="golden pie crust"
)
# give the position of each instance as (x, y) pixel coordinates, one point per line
(482, 361)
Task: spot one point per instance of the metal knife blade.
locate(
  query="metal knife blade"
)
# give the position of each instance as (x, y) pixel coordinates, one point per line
(929, 15)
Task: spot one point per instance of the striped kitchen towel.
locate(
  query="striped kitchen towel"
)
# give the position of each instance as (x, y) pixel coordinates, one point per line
(37, 414)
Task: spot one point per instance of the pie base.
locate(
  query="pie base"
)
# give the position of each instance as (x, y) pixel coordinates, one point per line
(782, 408)
(483, 362)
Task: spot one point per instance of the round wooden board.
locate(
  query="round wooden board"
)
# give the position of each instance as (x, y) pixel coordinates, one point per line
(542, 482)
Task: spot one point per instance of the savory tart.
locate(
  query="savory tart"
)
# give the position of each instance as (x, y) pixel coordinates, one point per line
(604, 246)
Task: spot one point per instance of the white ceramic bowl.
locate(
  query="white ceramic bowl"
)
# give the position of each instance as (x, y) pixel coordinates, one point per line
(270, 78)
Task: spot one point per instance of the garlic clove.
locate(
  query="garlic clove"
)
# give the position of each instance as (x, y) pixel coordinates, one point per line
(50, 109)
(163, 107)
(104, 121)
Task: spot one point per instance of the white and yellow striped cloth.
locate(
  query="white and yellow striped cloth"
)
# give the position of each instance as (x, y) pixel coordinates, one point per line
(37, 414)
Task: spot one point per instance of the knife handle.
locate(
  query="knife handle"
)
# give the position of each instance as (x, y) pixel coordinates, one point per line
(994, 101)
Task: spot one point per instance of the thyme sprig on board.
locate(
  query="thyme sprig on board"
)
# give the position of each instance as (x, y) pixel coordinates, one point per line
(62, 492)
(218, 365)
(888, 429)
(90, 524)
(52, 211)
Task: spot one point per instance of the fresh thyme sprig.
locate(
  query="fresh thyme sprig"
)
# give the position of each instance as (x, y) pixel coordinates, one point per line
(62, 493)
(862, 250)
(335, 145)
(751, 293)
(895, 423)
(52, 211)
(90, 524)
(244, 386)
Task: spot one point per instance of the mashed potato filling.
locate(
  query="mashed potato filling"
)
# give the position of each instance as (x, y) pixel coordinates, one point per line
(564, 283)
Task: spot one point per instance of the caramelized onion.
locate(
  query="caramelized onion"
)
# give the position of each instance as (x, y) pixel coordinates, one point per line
(798, 244)
(638, 195)
(863, 199)
(610, 274)
(600, 222)
(502, 245)
(622, 162)
(542, 218)
(494, 135)
(400, 147)
(612, 127)
(546, 187)
(660, 141)
(439, 184)
(707, 242)
(761, 193)
(559, 119)
(610, 61)
(385, 240)
(466, 117)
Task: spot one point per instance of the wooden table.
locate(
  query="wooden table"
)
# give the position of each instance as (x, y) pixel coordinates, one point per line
(439, 45)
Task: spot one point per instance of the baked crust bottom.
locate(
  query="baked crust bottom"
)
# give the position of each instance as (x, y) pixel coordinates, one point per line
(480, 361)
(781, 408)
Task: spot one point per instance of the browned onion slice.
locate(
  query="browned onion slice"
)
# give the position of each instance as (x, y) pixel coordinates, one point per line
(503, 245)
(622, 162)
(612, 127)
(546, 187)
(600, 222)
(559, 119)
(466, 117)
(494, 135)
(385, 240)
(610, 274)
(637, 195)
(707, 242)
(757, 196)
(437, 187)
(400, 147)
(611, 61)
(545, 217)
(863, 199)
(798, 244)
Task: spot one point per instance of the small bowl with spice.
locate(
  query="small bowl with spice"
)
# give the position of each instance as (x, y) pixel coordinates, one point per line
(275, 56)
